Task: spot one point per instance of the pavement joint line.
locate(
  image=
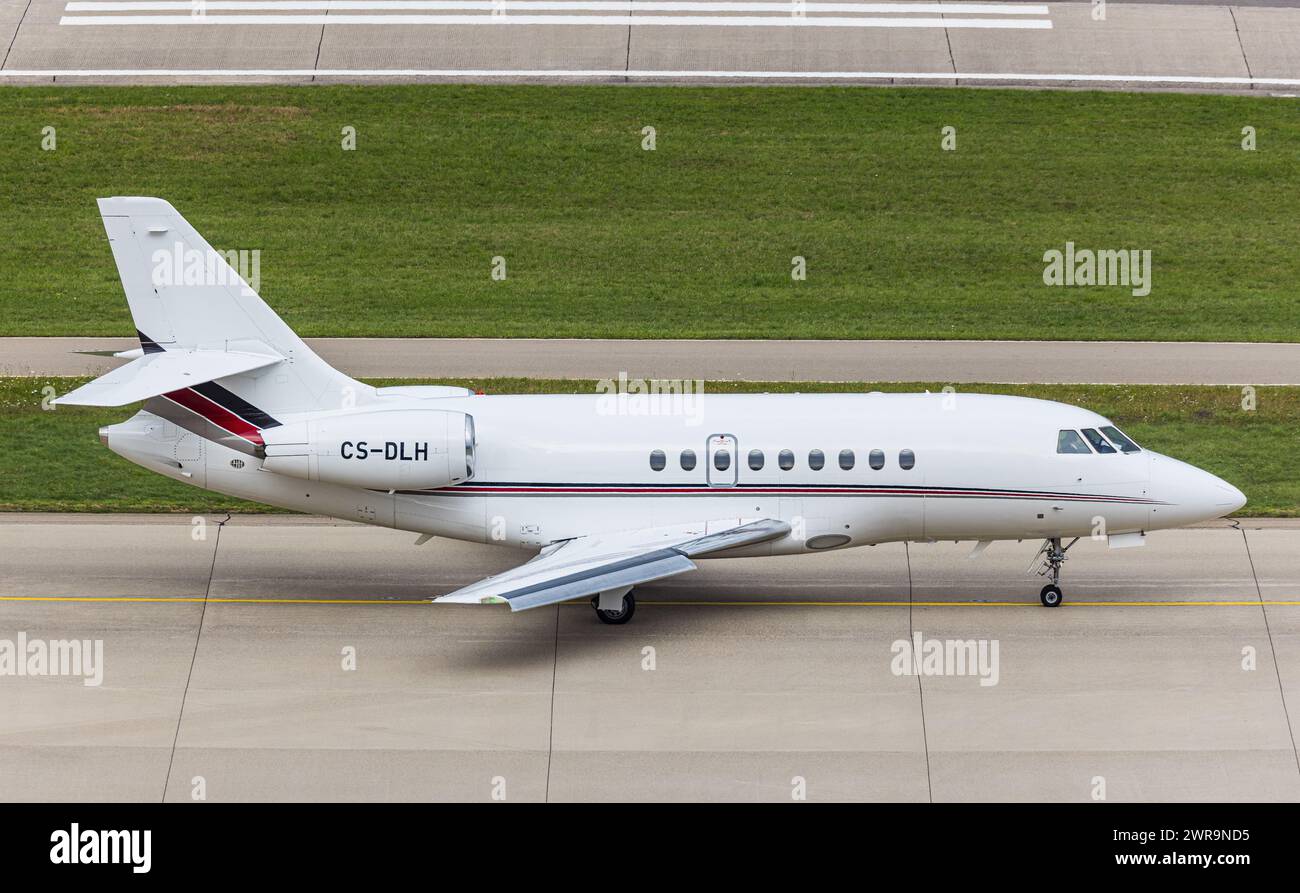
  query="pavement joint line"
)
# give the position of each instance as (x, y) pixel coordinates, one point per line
(14, 39)
(1237, 30)
(550, 729)
(319, 43)
(1263, 610)
(668, 603)
(920, 686)
(947, 39)
(198, 634)
(627, 55)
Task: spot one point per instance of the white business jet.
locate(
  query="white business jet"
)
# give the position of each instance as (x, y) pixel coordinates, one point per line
(605, 493)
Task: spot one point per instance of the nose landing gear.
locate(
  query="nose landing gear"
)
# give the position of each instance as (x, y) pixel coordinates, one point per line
(1051, 596)
(1053, 557)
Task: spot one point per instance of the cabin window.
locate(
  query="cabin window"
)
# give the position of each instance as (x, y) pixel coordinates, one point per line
(1120, 439)
(816, 460)
(658, 460)
(1069, 441)
(785, 459)
(722, 459)
(756, 460)
(1098, 442)
(877, 459)
(906, 459)
(847, 459)
(688, 460)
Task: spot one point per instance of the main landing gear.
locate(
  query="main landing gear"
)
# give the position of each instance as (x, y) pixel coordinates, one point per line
(1053, 558)
(615, 606)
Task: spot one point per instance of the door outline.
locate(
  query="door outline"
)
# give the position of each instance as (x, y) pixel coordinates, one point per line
(717, 478)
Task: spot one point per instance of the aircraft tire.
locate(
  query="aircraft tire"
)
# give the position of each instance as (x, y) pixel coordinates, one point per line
(615, 618)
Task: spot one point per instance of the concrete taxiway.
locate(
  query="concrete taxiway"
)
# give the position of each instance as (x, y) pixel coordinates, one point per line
(1191, 46)
(1168, 674)
(1044, 362)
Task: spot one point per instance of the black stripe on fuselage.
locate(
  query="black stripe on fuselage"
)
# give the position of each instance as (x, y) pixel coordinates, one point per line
(236, 404)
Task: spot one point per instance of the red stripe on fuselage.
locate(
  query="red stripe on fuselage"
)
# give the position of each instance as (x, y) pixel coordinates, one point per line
(216, 414)
(793, 490)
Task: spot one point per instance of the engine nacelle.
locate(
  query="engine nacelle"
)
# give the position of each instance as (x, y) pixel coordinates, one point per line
(385, 449)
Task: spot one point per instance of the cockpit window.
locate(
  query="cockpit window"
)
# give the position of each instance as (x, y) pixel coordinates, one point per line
(1099, 443)
(1120, 439)
(1069, 441)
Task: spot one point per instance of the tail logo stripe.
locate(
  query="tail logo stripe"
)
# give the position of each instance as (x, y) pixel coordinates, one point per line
(235, 404)
(215, 413)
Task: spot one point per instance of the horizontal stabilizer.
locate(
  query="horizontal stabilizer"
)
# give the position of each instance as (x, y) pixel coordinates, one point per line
(162, 372)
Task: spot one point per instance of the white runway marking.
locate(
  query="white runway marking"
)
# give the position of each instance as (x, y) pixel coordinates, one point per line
(787, 21)
(779, 13)
(643, 74)
(587, 5)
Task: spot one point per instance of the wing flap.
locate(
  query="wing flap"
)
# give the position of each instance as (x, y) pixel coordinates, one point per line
(161, 372)
(590, 564)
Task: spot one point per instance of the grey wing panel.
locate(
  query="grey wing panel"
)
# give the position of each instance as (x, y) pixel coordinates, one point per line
(588, 565)
(640, 569)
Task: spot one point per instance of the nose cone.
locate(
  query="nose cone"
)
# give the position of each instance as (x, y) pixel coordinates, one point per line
(1229, 496)
(1189, 494)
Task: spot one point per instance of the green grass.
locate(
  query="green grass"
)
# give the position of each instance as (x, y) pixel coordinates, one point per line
(694, 239)
(53, 461)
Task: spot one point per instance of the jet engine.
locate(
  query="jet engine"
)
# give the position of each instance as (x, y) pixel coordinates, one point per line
(387, 449)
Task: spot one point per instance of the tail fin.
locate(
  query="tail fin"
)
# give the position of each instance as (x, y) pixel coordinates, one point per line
(191, 306)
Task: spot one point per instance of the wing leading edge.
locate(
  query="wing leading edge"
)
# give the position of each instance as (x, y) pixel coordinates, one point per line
(591, 564)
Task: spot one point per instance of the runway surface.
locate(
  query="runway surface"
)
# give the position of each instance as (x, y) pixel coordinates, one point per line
(1044, 362)
(1172, 45)
(223, 660)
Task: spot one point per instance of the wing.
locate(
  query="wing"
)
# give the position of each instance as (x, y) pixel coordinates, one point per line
(157, 373)
(587, 565)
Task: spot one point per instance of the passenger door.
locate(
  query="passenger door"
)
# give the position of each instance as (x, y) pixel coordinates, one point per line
(721, 455)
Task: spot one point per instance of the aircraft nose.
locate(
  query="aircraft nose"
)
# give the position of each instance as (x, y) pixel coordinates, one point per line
(1230, 497)
(1190, 494)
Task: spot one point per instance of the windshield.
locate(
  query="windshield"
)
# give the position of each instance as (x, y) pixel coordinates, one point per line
(1120, 440)
(1098, 442)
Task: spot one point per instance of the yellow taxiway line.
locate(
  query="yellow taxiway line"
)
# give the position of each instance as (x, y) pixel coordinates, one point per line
(730, 603)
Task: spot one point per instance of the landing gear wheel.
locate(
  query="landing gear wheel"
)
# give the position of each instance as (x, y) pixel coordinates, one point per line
(623, 615)
(1051, 596)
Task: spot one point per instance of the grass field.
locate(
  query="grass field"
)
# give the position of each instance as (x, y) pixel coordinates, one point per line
(53, 461)
(694, 239)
